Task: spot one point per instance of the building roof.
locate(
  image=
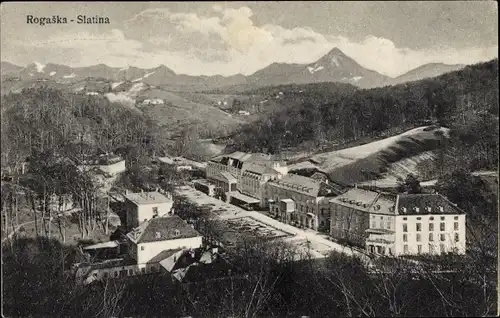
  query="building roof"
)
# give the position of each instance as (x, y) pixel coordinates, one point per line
(298, 183)
(259, 169)
(204, 182)
(245, 157)
(110, 244)
(367, 201)
(147, 198)
(162, 229)
(163, 255)
(413, 204)
(245, 198)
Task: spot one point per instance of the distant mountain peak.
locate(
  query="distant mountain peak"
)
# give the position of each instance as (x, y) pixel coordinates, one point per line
(336, 52)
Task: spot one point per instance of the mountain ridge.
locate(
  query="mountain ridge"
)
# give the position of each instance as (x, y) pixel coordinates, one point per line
(334, 66)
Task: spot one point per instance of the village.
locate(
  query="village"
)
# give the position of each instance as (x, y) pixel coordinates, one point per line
(254, 196)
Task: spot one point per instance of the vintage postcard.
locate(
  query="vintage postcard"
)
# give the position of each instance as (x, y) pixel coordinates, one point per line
(249, 159)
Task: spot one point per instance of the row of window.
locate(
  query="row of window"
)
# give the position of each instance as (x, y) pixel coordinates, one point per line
(442, 226)
(432, 248)
(431, 218)
(442, 237)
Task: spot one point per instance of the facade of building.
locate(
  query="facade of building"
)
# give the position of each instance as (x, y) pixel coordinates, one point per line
(253, 181)
(350, 215)
(227, 173)
(143, 206)
(405, 224)
(204, 186)
(307, 196)
(150, 239)
(428, 223)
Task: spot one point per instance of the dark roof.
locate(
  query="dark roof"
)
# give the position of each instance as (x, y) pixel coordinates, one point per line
(426, 204)
(164, 228)
(217, 269)
(164, 254)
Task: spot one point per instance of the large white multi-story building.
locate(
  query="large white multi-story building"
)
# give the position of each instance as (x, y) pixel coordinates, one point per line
(403, 224)
(143, 206)
(428, 223)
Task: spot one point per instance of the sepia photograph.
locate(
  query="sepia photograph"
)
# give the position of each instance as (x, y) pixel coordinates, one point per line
(249, 159)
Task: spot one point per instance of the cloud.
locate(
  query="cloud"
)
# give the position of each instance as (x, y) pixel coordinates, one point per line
(227, 41)
(382, 55)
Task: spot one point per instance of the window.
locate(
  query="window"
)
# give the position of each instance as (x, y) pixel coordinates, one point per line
(431, 218)
(155, 211)
(419, 249)
(442, 248)
(456, 237)
(431, 248)
(419, 238)
(388, 225)
(142, 248)
(143, 270)
(455, 226)
(431, 226)
(404, 219)
(405, 248)
(455, 218)
(431, 237)
(442, 218)
(374, 224)
(405, 227)
(419, 227)
(405, 237)
(442, 226)
(442, 237)
(419, 218)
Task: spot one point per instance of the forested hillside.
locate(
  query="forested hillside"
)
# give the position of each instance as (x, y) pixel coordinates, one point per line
(466, 101)
(46, 120)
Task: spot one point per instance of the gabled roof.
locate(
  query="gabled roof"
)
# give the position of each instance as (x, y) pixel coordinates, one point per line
(162, 229)
(163, 255)
(299, 184)
(367, 201)
(358, 199)
(147, 198)
(259, 169)
(437, 203)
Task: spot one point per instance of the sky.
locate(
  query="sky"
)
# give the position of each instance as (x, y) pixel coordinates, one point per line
(226, 38)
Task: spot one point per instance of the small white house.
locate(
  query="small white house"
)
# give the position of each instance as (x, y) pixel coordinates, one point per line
(143, 206)
(151, 238)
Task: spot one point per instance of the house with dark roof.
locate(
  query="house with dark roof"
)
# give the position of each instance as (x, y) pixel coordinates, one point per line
(401, 224)
(157, 235)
